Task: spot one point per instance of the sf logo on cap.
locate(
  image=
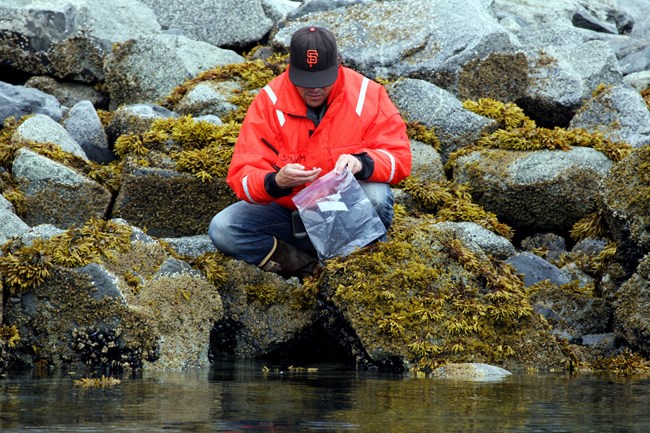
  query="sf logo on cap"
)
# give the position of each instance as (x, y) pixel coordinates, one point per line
(312, 57)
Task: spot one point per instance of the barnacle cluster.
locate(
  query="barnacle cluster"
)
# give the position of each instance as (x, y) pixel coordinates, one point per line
(103, 347)
(518, 132)
(23, 267)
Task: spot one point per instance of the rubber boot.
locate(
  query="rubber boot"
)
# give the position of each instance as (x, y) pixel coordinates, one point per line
(289, 261)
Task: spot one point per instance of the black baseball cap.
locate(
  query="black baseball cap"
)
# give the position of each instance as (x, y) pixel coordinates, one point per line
(313, 58)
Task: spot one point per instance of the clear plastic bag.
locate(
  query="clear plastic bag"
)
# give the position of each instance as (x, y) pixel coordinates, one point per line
(337, 214)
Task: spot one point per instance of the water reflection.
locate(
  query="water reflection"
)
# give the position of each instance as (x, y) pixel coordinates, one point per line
(238, 397)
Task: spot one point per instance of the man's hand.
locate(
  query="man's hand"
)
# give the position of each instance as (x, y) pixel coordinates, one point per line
(292, 175)
(353, 163)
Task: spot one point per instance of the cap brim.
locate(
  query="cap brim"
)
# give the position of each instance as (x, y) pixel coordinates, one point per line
(313, 79)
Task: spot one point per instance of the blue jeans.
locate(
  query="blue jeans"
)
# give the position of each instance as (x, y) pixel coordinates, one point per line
(245, 231)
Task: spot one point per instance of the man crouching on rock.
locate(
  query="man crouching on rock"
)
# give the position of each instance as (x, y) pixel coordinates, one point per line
(314, 117)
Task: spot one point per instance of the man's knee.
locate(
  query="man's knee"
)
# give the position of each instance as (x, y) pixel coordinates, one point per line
(219, 230)
(375, 191)
(215, 229)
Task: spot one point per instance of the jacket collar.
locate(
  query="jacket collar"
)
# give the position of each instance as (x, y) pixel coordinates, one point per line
(290, 101)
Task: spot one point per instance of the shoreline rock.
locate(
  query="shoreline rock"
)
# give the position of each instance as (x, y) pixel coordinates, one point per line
(528, 126)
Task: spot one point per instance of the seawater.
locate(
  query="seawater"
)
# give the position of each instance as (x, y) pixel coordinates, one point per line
(254, 397)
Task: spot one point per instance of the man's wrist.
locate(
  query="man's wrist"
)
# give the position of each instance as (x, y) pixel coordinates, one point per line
(367, 166)
(272, 187)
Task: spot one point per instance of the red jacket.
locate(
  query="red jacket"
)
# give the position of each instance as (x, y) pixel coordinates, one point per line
(360, 118)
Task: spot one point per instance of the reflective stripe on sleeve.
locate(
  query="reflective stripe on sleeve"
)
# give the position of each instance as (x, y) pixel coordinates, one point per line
(362, 95)
(244, 183)
(392, 164)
